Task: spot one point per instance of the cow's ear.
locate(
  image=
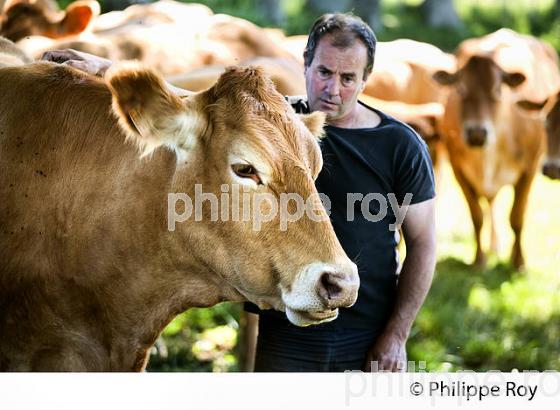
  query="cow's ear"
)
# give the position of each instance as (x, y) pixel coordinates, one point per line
(78, 16)
(513, 79)
(444, 78)
(150, 113)
(531, 105)
(314, 123)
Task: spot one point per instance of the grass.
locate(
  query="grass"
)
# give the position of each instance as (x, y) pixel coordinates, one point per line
(493, 318)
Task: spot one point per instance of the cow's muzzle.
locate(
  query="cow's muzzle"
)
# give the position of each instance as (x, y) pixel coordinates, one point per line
(476, 136)
(551, 170)
(319, 290)
(337, 289)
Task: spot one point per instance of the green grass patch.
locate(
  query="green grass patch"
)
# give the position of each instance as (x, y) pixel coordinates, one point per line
(494, 318)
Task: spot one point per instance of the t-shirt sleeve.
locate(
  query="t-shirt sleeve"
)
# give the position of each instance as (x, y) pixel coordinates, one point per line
(251, 307)
(298, 103)
(414, 172)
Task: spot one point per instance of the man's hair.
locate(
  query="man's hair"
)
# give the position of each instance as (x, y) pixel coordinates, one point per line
(344, 29)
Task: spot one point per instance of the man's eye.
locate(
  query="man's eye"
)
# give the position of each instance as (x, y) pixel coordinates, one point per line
(246, 171)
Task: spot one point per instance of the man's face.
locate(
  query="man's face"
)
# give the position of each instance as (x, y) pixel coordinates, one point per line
(335, 78)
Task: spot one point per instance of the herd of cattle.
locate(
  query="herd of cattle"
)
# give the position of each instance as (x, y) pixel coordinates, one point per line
(493, 108)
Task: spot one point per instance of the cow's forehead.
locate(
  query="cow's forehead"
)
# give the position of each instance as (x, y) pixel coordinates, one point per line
(480, 68)
(248, 86)
(479, 76)
(246, 102)
(285, 137)
(243, 97)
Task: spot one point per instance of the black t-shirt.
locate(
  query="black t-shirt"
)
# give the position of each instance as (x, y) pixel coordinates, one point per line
(389, 159)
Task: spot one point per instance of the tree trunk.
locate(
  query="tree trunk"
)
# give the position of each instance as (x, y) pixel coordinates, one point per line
(273, 12)
(440, 13)
(247, 341)
(327, 6)
(369, 11)
(112, 5)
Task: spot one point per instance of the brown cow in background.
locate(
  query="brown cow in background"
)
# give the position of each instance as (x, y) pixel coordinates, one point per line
(172, 37)
(491, 142)
(23, 18)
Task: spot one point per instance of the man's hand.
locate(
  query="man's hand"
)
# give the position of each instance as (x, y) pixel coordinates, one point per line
(389, 351)
(413, 285)
(82, 61)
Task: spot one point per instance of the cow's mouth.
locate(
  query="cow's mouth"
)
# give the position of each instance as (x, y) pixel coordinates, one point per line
(304, 318)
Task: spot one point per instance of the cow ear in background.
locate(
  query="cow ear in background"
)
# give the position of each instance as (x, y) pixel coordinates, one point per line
(513, 79)
(444, 78)
(78, 16)
(531, 105)
(314, 123)
(150, 113)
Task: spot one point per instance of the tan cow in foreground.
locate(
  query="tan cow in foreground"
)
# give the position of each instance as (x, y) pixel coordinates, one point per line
(491, 142)
(90, 272)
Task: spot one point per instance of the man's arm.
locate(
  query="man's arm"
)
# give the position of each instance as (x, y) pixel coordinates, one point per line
(85, 62)
(93, 65)
(413, 285)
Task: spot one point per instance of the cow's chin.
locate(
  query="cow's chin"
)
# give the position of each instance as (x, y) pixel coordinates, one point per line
(303, 318)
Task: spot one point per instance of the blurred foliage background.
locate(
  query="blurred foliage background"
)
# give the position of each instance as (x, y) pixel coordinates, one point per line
(494, 318)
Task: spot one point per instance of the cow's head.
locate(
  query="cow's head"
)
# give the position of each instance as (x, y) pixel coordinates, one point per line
(550, 110)
(478, 88)
(24, 18)
(243, 144)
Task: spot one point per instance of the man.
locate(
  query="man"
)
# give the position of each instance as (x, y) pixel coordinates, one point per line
(364, 152)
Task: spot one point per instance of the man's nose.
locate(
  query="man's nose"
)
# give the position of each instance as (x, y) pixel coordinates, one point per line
(333, 86)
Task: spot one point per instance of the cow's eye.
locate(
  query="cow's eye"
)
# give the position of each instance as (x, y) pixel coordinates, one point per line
(246, 171)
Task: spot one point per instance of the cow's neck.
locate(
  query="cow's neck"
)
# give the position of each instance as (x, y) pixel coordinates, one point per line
(165, 279)
(152, 304)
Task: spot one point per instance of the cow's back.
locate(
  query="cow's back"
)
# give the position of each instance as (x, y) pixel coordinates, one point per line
(59, 140)
(73, 196)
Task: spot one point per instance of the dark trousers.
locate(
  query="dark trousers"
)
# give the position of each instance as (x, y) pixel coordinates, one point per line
(283, 347)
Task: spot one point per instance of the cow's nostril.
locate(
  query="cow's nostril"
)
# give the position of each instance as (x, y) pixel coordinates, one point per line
(476, 136)
(331, 289)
